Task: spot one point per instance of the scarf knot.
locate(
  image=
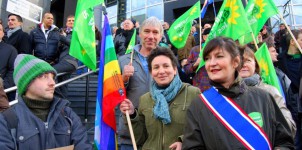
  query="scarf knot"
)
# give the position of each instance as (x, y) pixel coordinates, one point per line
(162, 96)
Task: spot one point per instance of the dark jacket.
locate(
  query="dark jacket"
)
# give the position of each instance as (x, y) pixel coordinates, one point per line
(151, 133)
(34, 134)
(21, 41)
(8, 55)
(205, 131)
(46, 49)
(121, 41)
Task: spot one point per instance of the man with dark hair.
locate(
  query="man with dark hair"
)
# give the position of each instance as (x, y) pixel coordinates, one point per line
(49, 45)
(280, 38)
(15, 35)
(42, 121)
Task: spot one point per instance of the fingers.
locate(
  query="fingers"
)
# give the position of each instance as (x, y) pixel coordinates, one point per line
(127, 105)
(176, 146)
(128, 71)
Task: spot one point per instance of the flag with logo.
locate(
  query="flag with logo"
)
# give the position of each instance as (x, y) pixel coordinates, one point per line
(180, 29)
(83, 37)
(110, 92)
(258, 12)
(231, 22)
(131, 43)
(267, 70)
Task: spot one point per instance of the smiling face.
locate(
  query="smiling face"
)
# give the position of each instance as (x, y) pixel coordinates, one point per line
(221, 67)
(42, 87)
(249, 67)
(162, 70)
(150, 37)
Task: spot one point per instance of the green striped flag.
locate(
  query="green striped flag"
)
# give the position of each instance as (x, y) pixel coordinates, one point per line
(131, 43)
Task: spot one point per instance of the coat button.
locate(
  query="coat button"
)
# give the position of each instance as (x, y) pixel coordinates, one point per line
(68, 131)
(21, 138)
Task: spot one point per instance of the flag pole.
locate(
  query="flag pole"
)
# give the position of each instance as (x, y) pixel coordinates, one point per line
(254, 39)
(200, 29)
(131, 129)
(290, 32)
(214, 8)
(131, 56)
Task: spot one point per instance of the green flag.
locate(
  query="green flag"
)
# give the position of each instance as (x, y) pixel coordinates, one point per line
(258, 11)
(131, 43)
(180, 29)
(83, 37)
(268, 72)
(231, 22)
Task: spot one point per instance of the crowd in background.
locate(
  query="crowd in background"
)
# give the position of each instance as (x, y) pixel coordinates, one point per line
(162, 81)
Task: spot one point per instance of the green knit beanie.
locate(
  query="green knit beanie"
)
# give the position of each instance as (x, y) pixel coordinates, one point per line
(27, 68)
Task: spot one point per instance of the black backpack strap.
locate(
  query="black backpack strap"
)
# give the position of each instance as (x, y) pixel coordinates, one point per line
(12, 123)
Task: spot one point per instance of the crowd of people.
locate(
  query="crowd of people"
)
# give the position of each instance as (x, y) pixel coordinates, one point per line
(172, 105)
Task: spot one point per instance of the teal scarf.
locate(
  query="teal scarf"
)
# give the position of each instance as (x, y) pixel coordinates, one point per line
(162, 96)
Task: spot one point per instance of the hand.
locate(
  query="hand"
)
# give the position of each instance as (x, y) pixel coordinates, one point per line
(176, 146)
(128, 72)
(127, 105)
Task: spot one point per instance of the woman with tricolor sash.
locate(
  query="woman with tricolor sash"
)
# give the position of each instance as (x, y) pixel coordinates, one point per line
(250, 72)
(159, 122)
(231, 115)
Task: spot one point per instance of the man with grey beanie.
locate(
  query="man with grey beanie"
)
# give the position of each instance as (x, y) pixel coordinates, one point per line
(42, 120)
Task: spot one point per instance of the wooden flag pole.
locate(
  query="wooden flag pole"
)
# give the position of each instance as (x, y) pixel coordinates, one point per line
(290, 32)
(131, 129)
(131, 57)
(255, 42)
(200, 29)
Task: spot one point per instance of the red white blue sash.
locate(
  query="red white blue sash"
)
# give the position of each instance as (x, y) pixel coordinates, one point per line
(236, 120)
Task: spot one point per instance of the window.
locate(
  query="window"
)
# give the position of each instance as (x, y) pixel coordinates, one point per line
(156, 11)
(137, 4)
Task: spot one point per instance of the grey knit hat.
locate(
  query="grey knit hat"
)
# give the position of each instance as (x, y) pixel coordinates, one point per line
(27, 68)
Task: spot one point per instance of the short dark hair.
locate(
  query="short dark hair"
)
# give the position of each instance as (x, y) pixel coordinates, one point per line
(162, 51)
(222, 43)
(19, 18)
(289, 37)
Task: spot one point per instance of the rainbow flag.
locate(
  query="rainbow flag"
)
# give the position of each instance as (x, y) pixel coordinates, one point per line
(110, 92)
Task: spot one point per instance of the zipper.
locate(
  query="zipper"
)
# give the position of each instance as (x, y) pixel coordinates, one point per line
(46, 125)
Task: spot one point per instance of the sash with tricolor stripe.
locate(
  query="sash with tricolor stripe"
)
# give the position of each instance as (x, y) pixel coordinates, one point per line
(235, 120)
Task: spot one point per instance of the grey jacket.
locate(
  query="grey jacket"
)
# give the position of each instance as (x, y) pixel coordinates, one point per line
(63, 128)
(138, 85)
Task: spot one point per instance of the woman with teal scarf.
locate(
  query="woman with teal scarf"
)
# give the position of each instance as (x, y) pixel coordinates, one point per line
(159, 121)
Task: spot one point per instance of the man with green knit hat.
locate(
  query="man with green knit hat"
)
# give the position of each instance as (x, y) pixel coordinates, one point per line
(43, 121)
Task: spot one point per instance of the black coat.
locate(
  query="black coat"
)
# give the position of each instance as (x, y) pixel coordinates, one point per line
(8, 55)
(21, 41)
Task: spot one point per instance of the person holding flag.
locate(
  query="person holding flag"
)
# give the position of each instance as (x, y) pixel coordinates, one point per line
(159, 120)
(232, 115)
(135, 71)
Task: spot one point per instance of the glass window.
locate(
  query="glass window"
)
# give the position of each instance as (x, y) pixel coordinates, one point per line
(112, 11)
(128, 5)
(139, 15)
(137, 4)
(112, 21)
(280, 2)
(153, 2)
(297, 12)
(156, 11)
(296, 2)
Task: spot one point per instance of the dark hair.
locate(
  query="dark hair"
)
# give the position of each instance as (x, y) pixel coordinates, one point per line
(162, 51)
(19, 18)
(295, 33)
(223, 43)
(250, 53)
(70, 16)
